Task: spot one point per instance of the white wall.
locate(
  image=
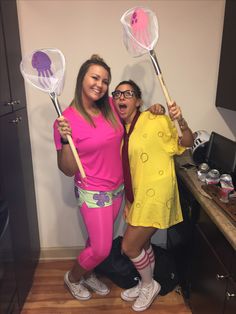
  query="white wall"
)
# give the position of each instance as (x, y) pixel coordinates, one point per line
(188, 51)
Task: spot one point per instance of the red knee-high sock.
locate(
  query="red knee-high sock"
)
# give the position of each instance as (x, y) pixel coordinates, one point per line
(143, 266)
(151, 257)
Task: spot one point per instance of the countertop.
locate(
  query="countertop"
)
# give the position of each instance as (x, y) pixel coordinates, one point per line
(221, 219)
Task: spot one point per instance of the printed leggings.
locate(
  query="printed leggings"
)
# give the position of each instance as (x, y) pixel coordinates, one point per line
(99, 223)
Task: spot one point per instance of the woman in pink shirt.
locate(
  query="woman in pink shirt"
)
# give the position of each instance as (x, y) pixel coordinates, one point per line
(97, 132)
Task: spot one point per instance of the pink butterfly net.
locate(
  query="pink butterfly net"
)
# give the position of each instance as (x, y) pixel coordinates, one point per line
(140, 30)
(140, 36)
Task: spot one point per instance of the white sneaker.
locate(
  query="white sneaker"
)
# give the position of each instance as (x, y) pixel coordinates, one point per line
(95, 284)
(77, 289)
(131, 294)
(146, 296)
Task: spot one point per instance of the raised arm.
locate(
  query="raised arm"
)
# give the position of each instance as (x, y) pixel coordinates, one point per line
(187, 136)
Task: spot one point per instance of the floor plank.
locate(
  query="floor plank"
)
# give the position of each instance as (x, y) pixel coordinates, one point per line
(49, 296)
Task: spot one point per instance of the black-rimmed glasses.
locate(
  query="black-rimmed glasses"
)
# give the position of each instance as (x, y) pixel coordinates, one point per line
(126, 93)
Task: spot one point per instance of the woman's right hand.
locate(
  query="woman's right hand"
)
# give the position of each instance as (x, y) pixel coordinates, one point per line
(65, 157)
(63, 127)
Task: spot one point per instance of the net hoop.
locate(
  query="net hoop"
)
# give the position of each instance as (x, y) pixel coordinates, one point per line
(44, 69)
(140, 30)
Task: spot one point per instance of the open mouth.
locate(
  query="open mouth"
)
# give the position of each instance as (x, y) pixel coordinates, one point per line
(122, 108)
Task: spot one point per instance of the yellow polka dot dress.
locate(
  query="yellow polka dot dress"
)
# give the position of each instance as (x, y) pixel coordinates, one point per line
(152, 145)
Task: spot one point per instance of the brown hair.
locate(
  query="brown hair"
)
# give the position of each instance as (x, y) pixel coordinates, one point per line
(135, 87)
(102, 103)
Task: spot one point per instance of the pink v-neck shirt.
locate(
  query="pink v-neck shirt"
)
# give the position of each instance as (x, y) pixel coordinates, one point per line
(98, 148)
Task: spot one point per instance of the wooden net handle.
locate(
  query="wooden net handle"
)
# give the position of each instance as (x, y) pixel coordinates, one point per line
(169, 102)
(76, 156)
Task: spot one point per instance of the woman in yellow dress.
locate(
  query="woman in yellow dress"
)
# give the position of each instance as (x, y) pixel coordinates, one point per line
(152, 199)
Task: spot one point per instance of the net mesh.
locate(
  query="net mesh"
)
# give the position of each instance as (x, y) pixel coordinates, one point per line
(44, 69)
(140, 30)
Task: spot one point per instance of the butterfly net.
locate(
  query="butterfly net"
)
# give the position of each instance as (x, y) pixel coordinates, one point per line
(44, 69)
(140, 30)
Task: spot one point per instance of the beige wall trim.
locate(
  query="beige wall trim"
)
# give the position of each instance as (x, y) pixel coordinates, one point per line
(54, 253)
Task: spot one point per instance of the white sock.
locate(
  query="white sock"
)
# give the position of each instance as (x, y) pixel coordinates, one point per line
(151, 257)
(143, 266)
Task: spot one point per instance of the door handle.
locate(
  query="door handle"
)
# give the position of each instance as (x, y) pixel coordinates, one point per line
(16, 120)
(221, 277)
(230, 295)
(12, 103)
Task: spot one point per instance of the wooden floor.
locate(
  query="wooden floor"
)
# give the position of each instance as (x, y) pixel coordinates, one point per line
(49, 296)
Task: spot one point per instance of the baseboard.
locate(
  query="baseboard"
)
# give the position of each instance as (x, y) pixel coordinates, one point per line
(59, 253)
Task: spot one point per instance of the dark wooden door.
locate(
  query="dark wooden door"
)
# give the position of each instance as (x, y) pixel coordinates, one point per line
(12, 83)
(225, 96)
(5, 96)
(16, 170)
(209, 278)
(7, 265)
(230, 302)
(18, 191)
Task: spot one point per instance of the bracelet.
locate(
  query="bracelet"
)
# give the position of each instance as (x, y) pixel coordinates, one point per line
(183, 124)
(64, 142)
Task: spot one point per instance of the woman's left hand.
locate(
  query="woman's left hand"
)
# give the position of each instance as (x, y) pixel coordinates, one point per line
(157, 109)
(175, 113)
